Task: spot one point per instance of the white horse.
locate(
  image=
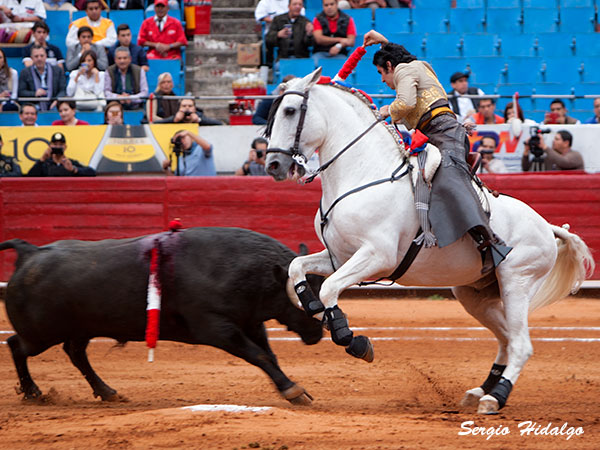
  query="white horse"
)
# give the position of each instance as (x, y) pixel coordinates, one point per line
(368, 231)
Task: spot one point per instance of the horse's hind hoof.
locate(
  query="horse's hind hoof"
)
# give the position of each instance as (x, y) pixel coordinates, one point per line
(296, 395)
(488, 405)
(361, 348)
(472, 397)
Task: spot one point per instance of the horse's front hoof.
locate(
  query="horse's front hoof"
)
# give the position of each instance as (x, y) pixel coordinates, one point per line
(472, 397)
(296, 395)
(488, 405)
(361, 348)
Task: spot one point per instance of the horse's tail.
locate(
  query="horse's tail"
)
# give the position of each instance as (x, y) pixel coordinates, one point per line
(574, 263)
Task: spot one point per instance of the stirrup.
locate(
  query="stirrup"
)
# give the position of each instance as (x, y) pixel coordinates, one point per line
(492, 255)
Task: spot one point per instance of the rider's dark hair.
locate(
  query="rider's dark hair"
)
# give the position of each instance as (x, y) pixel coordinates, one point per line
(393, 53)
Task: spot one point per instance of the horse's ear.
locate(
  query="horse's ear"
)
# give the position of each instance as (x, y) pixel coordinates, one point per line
(313, 78)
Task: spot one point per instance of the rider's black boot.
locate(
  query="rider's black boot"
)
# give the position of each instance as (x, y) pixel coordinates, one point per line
(493, 249)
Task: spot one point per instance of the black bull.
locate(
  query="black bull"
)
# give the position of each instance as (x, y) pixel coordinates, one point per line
(218, 287)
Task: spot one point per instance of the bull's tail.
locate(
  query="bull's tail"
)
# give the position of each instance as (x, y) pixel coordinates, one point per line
(23, 248)
(573, 265)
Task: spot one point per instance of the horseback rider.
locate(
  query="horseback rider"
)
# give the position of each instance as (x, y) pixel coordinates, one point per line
(421, 104)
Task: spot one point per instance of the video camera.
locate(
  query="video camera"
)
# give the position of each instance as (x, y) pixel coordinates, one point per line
(534, 140)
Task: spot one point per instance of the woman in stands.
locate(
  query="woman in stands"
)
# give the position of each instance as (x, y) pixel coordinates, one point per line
(87, 83)
(113, 113)
(161, 108)
(9, 85)
(509, 114)
(66, 109)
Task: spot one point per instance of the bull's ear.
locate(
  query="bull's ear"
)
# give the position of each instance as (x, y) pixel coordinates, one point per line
(303, 249)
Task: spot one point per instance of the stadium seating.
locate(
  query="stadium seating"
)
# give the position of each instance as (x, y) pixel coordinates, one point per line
(464, 20)
(504, 20)
(79, 14)
(576, 3)
(477, 45)
(295, 66)
(15, 62)
(470, 4)
(562, 70)
(485, 69)
(442, 44)
(540, 3)
(132, 17)
(540, 20)
(510, 44)
(390, 20)
(363, 19)
(503, 4)
(415, 43)
(586, 44)
(555, 44)
(445, 67)
(330, 66)
(524, 69)
(577, 20)
(429, 20)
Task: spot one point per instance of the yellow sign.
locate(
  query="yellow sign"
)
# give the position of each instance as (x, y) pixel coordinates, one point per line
(138, 143)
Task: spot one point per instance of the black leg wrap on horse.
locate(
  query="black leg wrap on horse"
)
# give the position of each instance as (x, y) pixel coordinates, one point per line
(311, 304)
(341, 334)
(493, 378)
(501, 391)
(358, 347)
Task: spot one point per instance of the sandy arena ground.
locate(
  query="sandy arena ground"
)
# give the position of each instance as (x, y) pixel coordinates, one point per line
(408, 398)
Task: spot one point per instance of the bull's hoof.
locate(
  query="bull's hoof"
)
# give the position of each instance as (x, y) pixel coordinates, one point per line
(116, 398)
(361, 348)
(488, 405)
(106, 395)
(472, 397)
(296, 395)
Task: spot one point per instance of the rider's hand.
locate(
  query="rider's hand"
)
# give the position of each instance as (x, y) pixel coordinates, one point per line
(385, 111)
(373, 37)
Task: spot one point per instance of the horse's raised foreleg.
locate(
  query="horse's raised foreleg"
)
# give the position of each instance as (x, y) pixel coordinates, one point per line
(485, 306)
(365, 263)
(317, 263)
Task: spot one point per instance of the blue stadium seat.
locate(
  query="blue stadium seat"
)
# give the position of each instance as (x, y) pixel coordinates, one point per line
(522, 70)
(540, 4)
(10, 119)
(485, 69)
(470, 4)
(295, 66)
(576, 3)
(577, 20)
(58, 21)
(390, 20)
(366, 74)
(331, 66)
(510, 44)
(503, 4)
(588, 68)
(500, 20)
(314, 4)
(477, 45)
(173, 66)
(467, 20)
(586, 103)
(46, 118)
(92, 117)
(133, 117)
(587, 44)
(363, 19)
(312, 13)
(442, 45)
(413, 42)
(429, 20)
(540, 20)
(445, 67)
(132, 17)
(563, 70)
(509, 90)
(15, 62)
(555, 44)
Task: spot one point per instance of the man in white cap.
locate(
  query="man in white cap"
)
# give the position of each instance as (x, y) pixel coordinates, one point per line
(54, 163)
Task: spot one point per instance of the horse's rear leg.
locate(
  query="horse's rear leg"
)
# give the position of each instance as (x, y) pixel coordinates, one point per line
(487, 308)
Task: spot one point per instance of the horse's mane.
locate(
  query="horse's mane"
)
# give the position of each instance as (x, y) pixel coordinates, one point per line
(356, 93)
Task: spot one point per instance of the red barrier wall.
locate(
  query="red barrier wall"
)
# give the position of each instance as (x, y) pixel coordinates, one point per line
(44, 210)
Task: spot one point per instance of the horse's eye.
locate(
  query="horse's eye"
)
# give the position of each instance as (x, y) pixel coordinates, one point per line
(289, 111)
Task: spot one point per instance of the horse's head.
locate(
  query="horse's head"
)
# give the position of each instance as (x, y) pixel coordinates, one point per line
(293, 129)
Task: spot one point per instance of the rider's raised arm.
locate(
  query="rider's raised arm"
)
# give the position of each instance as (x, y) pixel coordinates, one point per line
(373, 37)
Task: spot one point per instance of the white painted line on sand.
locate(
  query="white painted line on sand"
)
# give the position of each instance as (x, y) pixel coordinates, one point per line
(227, 408)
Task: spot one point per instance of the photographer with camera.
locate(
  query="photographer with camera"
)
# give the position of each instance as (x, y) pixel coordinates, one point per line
(559, 157)
(54, 163)
(255, 165)
(188, 113)
(194, 155)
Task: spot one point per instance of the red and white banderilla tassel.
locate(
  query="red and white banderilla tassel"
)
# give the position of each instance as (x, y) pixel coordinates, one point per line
(153, 302)
(350, 64)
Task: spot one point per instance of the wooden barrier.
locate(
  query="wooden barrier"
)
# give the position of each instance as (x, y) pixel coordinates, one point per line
(43, 210)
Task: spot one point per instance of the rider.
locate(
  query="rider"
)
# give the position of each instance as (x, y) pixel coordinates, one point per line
(421, 103)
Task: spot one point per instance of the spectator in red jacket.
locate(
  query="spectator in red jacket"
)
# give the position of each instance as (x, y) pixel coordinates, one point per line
(162, 34)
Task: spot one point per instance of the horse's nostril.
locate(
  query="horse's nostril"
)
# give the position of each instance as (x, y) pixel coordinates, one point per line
(273, 167)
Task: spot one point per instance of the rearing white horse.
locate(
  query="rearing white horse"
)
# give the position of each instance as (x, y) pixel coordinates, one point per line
(368, 231)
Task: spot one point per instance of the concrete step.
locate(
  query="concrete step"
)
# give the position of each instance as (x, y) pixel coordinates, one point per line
(233, 4)
(241, 38)
(232, 13)
(234, 26)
